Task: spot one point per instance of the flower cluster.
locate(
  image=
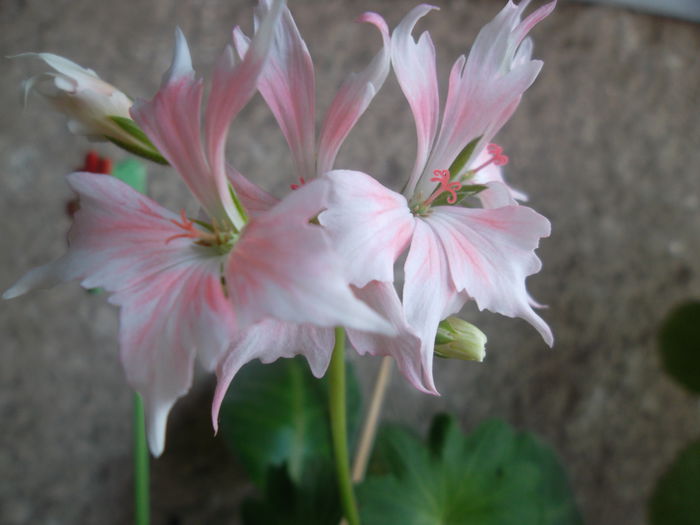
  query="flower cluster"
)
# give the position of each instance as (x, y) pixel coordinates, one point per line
(256, 277)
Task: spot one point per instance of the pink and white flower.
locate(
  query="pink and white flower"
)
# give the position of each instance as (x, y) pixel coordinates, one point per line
(188, 288)
(455, 253)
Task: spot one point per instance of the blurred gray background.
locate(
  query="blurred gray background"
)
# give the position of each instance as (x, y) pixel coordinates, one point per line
(606, 143)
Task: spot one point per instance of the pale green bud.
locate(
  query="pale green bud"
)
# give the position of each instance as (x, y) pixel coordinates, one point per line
(458, 339)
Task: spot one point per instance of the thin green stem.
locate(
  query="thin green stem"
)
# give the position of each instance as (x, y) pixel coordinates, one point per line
(141, 459)
(339, 428)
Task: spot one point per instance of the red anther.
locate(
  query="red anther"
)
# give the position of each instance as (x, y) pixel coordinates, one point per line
(302, 181)
(494, 149)
(443, 177)
(497, 157)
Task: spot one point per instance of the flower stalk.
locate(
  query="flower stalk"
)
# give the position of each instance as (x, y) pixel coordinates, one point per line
(338, 415)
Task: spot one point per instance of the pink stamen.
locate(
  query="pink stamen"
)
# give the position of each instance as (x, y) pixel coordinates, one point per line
(302, 181)
(190, 231)
(443, 177)
(497, 157)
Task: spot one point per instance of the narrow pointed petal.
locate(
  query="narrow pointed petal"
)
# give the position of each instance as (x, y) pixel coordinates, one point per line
(288, 86)
(172, 122)
(353, 98)
(490, 253)
(268, 341)
(405, 347)
(170, 293)
(428, 294)
(233, 85)
(255, 200)
(284, 267)
(369, 224)
(486, 88)
(414, 65)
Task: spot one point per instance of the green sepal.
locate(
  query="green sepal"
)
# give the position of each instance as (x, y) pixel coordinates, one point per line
(147, 154)
(464, 192)
(128, 125)
(464, 157)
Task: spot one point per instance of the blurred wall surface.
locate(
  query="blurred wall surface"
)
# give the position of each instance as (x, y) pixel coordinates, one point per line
(605, 143)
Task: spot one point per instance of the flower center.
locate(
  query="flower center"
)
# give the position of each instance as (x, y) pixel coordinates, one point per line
(210, 236)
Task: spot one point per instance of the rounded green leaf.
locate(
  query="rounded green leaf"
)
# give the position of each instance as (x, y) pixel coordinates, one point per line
(676, 499)
(493, 476)
(679, 342)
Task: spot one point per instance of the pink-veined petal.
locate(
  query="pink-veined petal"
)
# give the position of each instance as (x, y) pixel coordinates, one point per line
(428, 293)
(369, 224)
(255, 200)
(405, 347)
(485, 88)
(172, 122)
(353, 98)
(490, 253)
(288, 86)
(284, 267)
(268, 341)
(170, 294)
(414, 66)
(233, 85)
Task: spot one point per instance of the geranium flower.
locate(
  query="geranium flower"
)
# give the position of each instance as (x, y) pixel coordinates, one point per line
(287, 84)
(189, 287)
(455, 252)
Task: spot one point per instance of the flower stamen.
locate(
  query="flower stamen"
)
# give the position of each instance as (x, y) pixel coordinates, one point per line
(452, 187)
(302, 181)
(497, 157)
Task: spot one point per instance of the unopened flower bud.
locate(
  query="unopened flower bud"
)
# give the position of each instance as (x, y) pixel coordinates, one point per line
(458, 339)
(94, 107)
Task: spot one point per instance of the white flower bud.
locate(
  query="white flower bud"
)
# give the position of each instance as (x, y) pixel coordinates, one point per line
(459, 339)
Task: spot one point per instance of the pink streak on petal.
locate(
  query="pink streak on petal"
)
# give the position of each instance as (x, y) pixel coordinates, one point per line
(353, 98)
(490, 253)
(268, 341)
(428, 294)
(405, 348)
(414, 66)
(370, 225)
(288, 86)
(172, 122)
(233, 85)
(170, 294)
(285, 268)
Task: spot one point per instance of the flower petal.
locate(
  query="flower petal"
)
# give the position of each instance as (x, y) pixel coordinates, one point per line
(369, 224)
(428, 293)
(170, 294)
(486, 88)
(491, 197)
(414, 65)
(490, 252)
(288, 86)
(268, 341)
(405, 347)
(353, 98)
(172, 122)
(284, 267)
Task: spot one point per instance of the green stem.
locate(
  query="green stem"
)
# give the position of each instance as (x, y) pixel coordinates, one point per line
(141, 459)
(339, 428)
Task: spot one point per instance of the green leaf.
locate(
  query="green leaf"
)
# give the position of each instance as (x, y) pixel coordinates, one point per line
(675, 499)
(493, 476)
(464, 157)
(133, 173)
(679, 342)
(313, 500)
(277, 414)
